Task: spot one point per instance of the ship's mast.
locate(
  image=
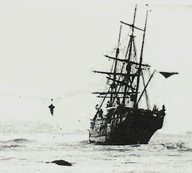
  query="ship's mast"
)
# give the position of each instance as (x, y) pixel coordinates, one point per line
(140, 64)
(113, 86)
(130, 45)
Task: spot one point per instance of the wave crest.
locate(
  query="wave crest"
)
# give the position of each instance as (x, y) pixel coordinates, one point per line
(181, 146)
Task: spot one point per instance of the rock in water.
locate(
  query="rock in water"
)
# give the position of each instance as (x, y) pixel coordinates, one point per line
(62, 162)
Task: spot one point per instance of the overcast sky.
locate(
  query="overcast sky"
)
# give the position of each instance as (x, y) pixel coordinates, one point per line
(49, 48)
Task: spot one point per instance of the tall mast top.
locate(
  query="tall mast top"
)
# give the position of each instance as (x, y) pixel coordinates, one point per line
(140, 62)
(134, 19)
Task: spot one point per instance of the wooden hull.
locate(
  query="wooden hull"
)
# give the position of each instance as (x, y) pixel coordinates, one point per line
(128, 127)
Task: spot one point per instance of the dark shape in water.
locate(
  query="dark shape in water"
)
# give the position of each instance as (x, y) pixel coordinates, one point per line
(62, 162)
(124, 121)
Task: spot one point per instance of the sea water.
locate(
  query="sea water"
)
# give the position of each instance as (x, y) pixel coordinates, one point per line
(30, 147)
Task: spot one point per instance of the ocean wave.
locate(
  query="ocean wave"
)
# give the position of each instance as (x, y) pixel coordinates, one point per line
(7, 158)
(5, 147)
(17, 140)
(20, 140)
(180, 146)
(84, 142)
(13, 143)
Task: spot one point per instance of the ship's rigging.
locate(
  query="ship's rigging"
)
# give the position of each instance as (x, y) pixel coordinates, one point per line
(124, 78)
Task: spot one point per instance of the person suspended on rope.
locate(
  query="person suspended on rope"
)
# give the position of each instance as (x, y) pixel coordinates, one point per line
(51, 107)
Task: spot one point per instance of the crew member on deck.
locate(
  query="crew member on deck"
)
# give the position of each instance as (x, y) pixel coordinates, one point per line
(99, 112)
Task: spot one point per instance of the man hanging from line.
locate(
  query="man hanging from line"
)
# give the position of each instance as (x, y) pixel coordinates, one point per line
(51, 107)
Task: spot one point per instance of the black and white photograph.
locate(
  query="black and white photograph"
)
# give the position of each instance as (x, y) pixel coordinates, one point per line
(95, 86)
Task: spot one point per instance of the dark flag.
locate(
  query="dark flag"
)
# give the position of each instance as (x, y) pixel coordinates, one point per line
(168, 74)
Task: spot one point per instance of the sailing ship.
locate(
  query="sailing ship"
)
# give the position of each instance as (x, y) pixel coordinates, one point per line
(123, 122)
